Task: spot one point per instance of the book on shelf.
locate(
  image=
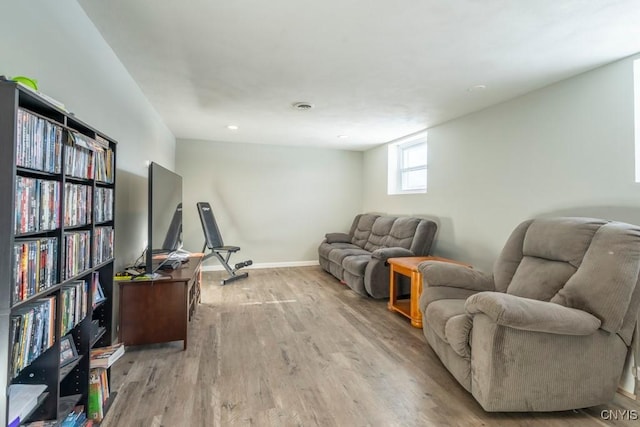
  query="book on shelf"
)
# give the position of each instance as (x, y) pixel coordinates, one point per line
(23, 399)
(104, 204)
(89, 158)
(78, 252)
(96, 289)
(78, 160)
(104, 165)
(32, 332)
(104, 357)
(36, 205)
(34, 266)
(38, 142)
(77, 204)
(102, 244)
(74, 304)
(75, 418)
(98, 394)
(104, 160)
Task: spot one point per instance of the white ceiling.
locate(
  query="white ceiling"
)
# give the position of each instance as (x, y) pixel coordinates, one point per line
(375, 70)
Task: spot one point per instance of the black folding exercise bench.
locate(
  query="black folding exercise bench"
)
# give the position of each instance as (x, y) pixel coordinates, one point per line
(213, 241)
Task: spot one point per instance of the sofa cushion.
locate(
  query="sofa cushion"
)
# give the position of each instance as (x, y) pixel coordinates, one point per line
(539, 278)
(361, 229)
(338, 255)
(356, 264)
(379, 233)
(402, 233)
(325, 248)
(439, 312)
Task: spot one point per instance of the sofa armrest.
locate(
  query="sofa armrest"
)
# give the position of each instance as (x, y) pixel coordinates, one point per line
(532, 315)
(446, 274)
(386, 253)
(337, 238)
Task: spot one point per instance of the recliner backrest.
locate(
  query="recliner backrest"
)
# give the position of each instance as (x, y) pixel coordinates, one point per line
(423, 237)
(402, 233)
(607, 277)
(583, 263)
(361, 228)
(411, 233)
(380, 233)
(372, 232)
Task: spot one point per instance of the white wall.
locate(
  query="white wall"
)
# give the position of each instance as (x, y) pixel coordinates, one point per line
(567, 149)
(275, 202)
(55, 43)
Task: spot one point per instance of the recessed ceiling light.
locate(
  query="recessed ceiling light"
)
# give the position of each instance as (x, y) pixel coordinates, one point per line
(476, 88)
(232, 127)
(302, 105)
(343, 136)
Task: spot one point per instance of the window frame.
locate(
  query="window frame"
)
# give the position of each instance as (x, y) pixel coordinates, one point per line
(396, 166)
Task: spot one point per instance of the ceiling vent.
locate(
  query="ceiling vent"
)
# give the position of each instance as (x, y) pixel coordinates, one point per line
(302, 105)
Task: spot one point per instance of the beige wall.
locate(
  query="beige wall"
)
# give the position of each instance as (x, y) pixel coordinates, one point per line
(275, 202)
(566, 149)
(55, 43)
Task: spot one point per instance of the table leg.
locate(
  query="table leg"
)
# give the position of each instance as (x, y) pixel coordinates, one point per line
(392, 289)
(416, 291)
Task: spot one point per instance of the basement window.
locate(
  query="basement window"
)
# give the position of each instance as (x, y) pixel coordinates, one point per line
(407, 169)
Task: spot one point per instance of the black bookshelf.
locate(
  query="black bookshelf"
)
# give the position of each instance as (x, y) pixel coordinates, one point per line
(64, 168)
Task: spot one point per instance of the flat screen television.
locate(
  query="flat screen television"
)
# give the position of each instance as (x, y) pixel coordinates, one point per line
(165, 216)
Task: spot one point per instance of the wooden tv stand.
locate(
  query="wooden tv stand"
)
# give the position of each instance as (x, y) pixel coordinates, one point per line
(157, 311)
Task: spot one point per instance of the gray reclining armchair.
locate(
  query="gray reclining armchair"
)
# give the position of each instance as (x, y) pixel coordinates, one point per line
(550, 328)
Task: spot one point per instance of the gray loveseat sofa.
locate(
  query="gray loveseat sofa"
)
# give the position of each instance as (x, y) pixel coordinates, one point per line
(549, 330)
(358, 258)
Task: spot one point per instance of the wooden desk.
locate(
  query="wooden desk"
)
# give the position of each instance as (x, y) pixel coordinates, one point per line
(408, 266)
(157, 311)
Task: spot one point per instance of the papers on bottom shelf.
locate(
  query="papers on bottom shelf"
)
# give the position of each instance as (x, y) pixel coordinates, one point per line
(23, 398)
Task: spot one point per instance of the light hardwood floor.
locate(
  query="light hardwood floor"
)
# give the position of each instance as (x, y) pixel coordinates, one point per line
(293, 347)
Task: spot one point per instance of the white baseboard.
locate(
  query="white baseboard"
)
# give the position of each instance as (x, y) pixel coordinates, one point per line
(218, 267)
(627, 393)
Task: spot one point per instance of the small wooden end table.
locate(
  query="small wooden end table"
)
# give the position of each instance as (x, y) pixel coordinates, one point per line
(408, 266)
